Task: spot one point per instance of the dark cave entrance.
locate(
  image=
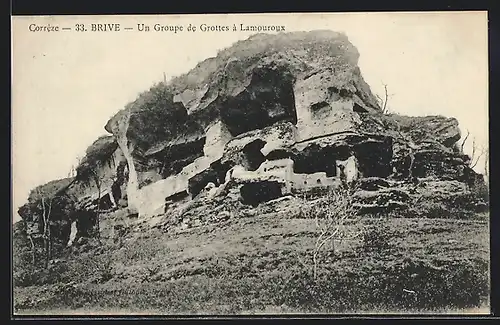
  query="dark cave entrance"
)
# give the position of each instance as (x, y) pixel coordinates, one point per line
(358, 108)
(60, 226)
(255, 193)
(215, 174)
(320, 110)
(253, 155)
(318, 159)
(374, 158)
(278, 154)
(197, 183)
(105, 202)
(116, 191)
(176, 157)
(176, 197)
(86, 222)
(268, 99)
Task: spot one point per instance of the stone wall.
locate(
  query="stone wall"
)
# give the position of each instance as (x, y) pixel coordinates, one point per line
(309, 181)
(282, 170)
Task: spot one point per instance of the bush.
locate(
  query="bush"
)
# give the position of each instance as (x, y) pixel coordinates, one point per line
(331, 215)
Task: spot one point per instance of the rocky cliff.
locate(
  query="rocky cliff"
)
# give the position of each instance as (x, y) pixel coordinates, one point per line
(270, 116)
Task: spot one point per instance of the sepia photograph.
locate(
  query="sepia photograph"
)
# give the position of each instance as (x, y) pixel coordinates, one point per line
(250, 164)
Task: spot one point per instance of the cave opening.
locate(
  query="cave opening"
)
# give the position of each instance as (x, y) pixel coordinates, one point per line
(426, 164)
(317, 159)
(62, 231)
(119, 181)
(86, 222)
(374, 159)
(333, 93)
(197, 183)
(258, 192)
(253, 155)
(216, 174)
(116, 191)
(176, 157)
(59, 224)
(179, 196)
(105, 202)
(279, 154)
(268, 99)
(319, 106)
(320, 110)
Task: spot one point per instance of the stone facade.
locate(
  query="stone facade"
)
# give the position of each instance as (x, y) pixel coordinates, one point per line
(282, 170)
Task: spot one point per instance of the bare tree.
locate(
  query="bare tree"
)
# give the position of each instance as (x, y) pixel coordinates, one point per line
(464, 141)
(94, 172)
(486, 163)
(477, 152)
(89, 173)
(33, 249)
(46, 234)
(331, 216)
(383, 102)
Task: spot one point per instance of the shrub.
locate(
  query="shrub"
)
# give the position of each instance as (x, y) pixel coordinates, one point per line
(331, 215)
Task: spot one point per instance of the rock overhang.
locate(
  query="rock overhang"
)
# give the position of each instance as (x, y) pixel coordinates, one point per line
(297, 96)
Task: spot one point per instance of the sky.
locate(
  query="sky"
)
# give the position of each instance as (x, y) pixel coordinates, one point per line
(67, 84)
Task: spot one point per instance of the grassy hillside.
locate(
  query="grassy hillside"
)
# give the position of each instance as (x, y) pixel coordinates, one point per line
(261, 263)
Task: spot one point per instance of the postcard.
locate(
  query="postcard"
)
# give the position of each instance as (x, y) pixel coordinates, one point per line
(251, 164)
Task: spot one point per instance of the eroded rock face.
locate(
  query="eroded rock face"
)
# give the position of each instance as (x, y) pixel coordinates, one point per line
(307, 81)
(297, 96)
(274, 114)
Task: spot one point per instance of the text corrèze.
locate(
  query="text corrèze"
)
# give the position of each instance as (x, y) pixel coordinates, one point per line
(115, 27)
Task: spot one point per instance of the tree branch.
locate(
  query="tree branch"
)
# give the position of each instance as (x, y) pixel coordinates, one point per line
(328, 238)
(33, 260)
(384, 109)
(50, 209)
(478, 157)
(473, 154)
(464, 141)
(43, 211)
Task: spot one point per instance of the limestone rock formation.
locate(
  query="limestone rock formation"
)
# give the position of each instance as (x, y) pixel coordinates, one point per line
(269, 116)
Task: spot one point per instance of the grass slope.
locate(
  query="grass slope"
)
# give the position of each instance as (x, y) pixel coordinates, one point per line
(261, 264)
